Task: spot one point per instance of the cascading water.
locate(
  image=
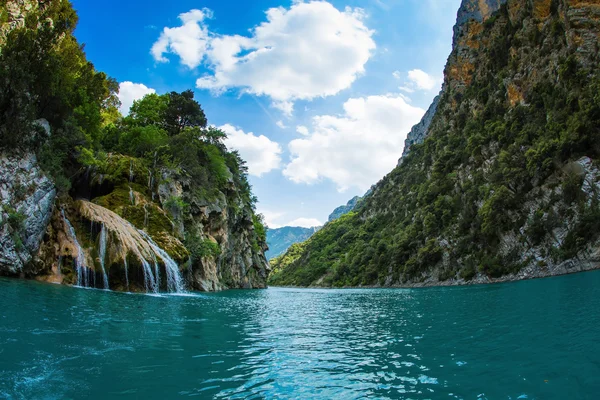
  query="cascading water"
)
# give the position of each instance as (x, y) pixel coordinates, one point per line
(102, 251)
(126, 273)
(138, 243)
(82, 270)
(174, 278)
(131, 196)
(145, 215)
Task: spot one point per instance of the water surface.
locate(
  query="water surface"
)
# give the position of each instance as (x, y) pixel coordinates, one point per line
(536, 340)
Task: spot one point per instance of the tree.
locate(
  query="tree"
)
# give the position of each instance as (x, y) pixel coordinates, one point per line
(183, 112)
(150, 110)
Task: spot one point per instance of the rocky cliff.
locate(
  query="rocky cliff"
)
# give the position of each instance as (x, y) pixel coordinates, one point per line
(149, 202)
(419, 132)
(27, 198)
(504, 186)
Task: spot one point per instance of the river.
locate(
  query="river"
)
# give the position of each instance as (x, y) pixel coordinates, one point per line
(535, 339)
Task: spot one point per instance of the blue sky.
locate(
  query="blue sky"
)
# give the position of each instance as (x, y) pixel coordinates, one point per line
(317, 96)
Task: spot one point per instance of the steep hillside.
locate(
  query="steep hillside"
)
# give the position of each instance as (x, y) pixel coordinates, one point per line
(506, 184)
(149, 202)
(280, 239)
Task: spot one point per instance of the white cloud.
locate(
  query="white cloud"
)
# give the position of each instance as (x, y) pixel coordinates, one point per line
(355, 149)
(422, 80)
(302, 130)
(286, 107)
(274, 219)
(280, 124)
(261, 154)
(129, 92)
(307, 51)
(189, 41)
(417, 79)
(271, 217)
(305, 223)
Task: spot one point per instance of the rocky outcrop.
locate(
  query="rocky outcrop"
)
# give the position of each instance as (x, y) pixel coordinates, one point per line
(27, 197)
(221, 229)
(419, 132)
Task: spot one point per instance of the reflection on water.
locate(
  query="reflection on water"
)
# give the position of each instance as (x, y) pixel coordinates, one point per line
(534, 339)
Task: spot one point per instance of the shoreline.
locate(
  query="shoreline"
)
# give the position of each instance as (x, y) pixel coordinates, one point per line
(528, 273)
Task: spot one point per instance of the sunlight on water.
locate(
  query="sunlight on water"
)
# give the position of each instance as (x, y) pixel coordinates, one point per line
(526, 340)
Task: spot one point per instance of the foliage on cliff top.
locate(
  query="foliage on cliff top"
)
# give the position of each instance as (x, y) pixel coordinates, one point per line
(461, 191)
(44, 73)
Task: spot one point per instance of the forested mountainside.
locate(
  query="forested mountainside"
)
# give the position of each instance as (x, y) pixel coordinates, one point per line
(506, 183)
(149, 202)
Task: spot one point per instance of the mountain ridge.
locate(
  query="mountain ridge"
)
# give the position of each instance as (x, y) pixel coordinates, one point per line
(505, 185)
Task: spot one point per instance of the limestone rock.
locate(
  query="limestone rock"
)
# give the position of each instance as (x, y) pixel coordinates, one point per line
(419, 132)
(25, 193)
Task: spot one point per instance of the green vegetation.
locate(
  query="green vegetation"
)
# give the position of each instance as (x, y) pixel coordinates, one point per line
(457, 196)
(281, 263)
(44, 74)
(95, 152)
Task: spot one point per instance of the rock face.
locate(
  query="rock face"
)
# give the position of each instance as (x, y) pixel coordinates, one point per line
(419, 132)
(27, 196)
(504, 183)
(230, 257)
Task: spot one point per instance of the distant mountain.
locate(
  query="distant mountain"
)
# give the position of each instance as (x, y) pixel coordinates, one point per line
(279, 240)
(343, 210)
(350, 206)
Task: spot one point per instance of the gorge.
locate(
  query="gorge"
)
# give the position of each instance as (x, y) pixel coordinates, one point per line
(128, 217)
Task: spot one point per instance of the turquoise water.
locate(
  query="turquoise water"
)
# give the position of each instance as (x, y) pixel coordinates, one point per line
(536, 340)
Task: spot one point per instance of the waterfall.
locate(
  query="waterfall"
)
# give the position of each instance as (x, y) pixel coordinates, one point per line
(126, 273)
(174, 278)
(131, 171)
(102, 251)
(151, 282)
(137, 242)
(145, 215)
(131, 196)
(82, 270)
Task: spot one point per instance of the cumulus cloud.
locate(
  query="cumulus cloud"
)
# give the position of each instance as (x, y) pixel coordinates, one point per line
(305, 223)
(307, 51)
(280, 124)
(302, 130)
(129, 92)
(271, 217)
(422, 80)
(261, 154)
(189, 41)
(355, 149)
(275, 220)
(417, 79)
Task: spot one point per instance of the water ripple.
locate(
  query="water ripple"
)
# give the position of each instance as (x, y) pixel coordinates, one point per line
(530, 340)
